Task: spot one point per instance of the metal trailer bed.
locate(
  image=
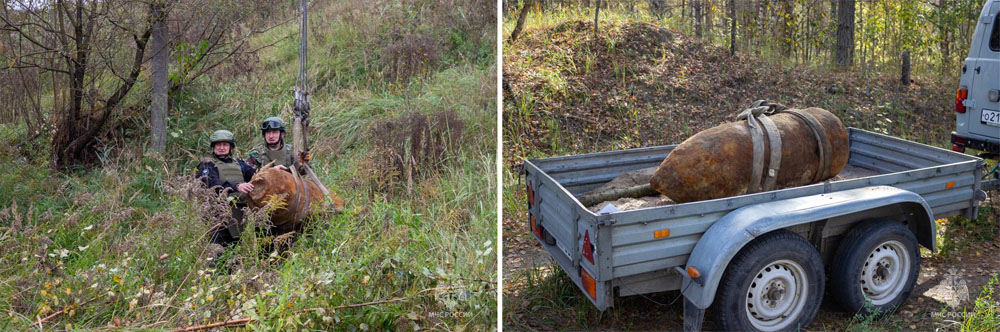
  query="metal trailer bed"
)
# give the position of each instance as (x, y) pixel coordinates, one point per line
(645, 250)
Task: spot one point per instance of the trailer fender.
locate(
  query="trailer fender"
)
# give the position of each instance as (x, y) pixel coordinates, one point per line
(724, 239)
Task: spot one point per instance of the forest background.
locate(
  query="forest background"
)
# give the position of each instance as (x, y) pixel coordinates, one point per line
(594, 75)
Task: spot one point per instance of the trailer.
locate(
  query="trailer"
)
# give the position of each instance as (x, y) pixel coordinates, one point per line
(757, 259)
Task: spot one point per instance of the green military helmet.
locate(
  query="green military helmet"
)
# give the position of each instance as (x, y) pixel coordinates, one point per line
(222, 136)
(272, 123)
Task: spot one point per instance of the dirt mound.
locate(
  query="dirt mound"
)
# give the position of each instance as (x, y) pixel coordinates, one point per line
(639, 84)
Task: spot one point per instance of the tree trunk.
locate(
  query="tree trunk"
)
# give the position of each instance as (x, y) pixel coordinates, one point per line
(697, 17)
(161, 59)
(787, 22)
(520, 21)
(845, 33)
(732, 27)
(657, 7)
(707, 17)
(597, 12)
(905, 75)
(831, 30)
(683, 9)
(71, 140)
(943, 29)
(66, 131)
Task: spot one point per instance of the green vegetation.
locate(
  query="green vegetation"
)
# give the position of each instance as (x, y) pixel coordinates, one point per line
(958, 234)
(123, 242)
(646, 80)
(985, 314)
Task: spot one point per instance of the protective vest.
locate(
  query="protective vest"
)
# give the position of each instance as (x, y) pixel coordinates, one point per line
(282, 156)
(231, 172)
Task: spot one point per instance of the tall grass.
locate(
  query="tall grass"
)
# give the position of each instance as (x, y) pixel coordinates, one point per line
(124, 243)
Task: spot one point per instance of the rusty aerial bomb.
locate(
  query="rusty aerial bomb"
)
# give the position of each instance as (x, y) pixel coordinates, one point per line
(719, 161)
(302, 196)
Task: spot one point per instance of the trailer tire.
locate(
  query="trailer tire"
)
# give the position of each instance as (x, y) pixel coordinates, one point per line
(784, 288)
(875, 267)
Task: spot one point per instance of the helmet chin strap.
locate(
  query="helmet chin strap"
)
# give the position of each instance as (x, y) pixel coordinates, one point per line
(280, 142)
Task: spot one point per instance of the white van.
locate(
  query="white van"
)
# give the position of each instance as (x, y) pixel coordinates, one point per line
(977, 102)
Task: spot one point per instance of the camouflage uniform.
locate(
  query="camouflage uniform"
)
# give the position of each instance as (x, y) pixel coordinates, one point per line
(225, 174)
(261, 155)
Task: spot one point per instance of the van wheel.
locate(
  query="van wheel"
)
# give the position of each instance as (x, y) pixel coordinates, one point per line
(775, 283)
(877, 262)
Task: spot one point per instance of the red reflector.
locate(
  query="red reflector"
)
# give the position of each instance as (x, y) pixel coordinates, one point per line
(588, 249)
(537, 229)
(960, 140)
(589, 284)
(957, 148)
(959, 98)
(531, 195)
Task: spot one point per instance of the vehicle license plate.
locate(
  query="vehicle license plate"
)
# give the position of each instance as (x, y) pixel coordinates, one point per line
(991, 118)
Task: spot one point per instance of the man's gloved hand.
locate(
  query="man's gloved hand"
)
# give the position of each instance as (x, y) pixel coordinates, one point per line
(305, 156)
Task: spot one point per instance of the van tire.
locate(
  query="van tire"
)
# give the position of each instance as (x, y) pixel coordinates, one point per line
(881, 253)
(778, 274)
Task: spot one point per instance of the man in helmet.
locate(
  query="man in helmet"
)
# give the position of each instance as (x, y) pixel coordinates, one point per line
(225, 173)
(274, 147)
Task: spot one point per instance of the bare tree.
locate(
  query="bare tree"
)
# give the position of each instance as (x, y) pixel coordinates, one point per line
(95, 51)
(214, 33)
(86, 41)
(20, 100)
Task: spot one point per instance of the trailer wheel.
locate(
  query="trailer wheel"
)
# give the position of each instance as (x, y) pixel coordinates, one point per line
(877, 262)
(774, 283)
